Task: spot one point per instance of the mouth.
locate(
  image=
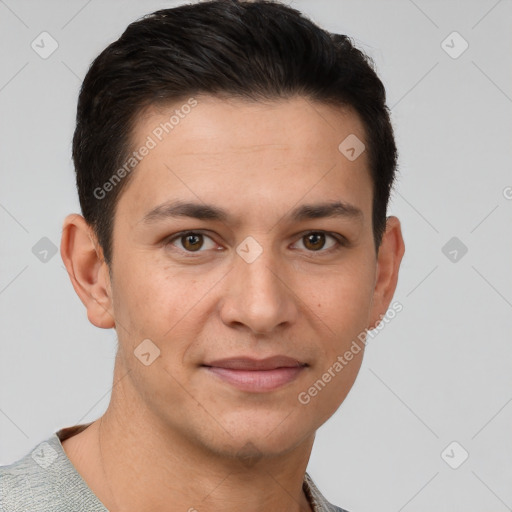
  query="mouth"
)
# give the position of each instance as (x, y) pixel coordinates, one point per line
(256, 375)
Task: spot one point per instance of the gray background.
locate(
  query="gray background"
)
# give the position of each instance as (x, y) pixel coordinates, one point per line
(439, 372)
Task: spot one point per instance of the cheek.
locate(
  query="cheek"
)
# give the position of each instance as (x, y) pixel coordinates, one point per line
(160, 304)
(145, 288)
(344, 297)
(343, 305)
(142, 305)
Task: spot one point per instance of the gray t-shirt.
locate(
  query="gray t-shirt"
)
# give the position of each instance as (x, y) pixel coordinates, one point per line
(45, 480)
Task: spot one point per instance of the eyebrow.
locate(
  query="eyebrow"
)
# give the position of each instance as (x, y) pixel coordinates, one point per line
(201, 211)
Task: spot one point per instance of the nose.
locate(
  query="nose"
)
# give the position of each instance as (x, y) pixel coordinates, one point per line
(259, 296)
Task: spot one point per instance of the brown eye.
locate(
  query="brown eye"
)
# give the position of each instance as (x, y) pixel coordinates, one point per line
(315, 241)
(191, 242)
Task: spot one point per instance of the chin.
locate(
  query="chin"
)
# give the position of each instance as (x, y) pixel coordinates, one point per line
(251, 449)
(262, 434)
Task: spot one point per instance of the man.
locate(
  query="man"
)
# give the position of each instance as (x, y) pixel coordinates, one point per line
(234, 164)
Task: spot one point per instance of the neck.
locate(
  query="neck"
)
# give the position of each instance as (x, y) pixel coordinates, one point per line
(133, 462)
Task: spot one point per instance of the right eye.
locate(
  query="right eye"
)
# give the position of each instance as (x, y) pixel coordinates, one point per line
(190, 241)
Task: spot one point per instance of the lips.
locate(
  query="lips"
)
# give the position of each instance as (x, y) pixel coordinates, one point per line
(256, 375)
(248, 363)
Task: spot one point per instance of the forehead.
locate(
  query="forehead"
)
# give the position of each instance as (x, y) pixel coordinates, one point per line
(219, 149)
(296, 123)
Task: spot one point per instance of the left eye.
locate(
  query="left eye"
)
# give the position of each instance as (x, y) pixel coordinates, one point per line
(315, 241)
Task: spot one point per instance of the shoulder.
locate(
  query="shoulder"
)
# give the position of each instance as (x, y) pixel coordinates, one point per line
(24, 483)
(44, 480)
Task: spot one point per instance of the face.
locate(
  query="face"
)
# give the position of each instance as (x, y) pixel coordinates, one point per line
(253, 295)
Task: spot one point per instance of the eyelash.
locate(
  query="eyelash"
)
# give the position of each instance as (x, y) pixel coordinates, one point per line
(341, 241)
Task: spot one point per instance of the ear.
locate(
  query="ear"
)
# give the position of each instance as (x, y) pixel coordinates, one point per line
(83, 257)
(390, 254)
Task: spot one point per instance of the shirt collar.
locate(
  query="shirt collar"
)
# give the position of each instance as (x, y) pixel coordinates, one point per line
(315, 497)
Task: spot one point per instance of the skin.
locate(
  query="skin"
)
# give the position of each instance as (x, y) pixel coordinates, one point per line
(173, 433)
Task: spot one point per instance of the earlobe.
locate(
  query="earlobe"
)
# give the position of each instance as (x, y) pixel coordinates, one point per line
(390, 255)
(87, 270)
